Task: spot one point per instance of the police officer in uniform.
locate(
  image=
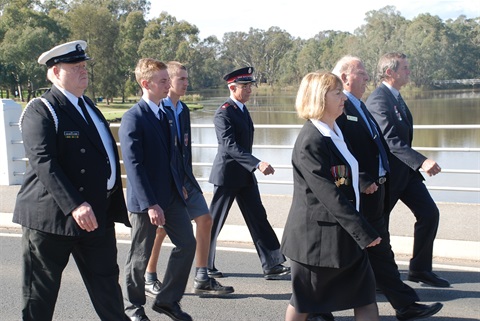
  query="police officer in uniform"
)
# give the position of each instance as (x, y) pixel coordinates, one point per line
(72, 192)
(234, 179)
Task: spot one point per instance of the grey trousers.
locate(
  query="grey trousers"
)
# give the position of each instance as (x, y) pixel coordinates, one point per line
(179, 229)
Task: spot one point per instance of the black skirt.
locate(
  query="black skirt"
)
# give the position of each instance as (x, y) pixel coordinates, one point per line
(321, 289)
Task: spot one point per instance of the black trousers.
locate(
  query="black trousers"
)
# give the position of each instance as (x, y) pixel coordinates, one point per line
(248, 200)
(381, 256)
(415, 196)
(45, 256)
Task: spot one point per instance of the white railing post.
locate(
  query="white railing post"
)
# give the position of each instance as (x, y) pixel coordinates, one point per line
(10, 113)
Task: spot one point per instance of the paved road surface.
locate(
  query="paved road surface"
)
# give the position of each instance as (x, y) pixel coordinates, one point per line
(255, 299)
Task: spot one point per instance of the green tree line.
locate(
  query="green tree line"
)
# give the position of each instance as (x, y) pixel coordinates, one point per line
(118, 34)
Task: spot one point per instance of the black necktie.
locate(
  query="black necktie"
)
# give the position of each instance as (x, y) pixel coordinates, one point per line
(88, 119)
(245, 112)
(402, 104)
(165, 126)
(91, 128)
(376, 138)
(178, 147)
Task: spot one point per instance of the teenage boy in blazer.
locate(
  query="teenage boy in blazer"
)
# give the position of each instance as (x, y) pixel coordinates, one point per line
(154, 197)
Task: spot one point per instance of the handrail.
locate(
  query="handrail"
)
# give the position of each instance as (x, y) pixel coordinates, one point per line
(288, 166)
(266, 126)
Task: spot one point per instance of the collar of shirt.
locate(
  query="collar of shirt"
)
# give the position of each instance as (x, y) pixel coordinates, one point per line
(323, 128)
(355, 101)
(71, 97)
(357, 104)
(176, 109)
(239, 104)
(152, 105)
(394, 91)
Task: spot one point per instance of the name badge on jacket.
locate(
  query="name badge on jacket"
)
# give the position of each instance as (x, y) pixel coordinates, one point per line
(71, 134)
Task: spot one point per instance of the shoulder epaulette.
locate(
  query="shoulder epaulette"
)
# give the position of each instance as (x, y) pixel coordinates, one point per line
(49, 107)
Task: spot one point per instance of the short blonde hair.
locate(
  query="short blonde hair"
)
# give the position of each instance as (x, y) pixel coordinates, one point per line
(310, 101)
(174, 68)
(146, 67)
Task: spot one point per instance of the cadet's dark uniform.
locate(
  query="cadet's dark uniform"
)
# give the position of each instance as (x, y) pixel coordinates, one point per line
(234, 179)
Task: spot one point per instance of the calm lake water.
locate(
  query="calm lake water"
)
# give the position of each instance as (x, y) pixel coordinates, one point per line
(428, 108)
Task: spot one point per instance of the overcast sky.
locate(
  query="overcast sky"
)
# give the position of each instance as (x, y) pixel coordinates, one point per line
(300, 18)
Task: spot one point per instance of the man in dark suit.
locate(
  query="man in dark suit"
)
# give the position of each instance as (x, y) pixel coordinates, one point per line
(406, 182)
(371, 151)
(154, 196)
(72, 192)
(234, 179)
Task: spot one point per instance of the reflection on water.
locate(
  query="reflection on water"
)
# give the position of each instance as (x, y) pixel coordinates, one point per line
(428, 108)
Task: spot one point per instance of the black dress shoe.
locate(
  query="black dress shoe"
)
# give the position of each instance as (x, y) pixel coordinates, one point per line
(214, 273)
(321, 317)
(429, 278)
(173, 310)
(275, 272)
(211, 286)
(418, 311)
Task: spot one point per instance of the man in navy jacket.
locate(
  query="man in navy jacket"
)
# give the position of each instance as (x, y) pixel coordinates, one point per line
(406, 182)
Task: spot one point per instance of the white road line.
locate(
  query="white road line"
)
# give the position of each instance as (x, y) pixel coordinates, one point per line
(243, 250)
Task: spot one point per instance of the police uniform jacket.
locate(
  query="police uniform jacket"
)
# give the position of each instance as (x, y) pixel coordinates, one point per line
(66, 167)
(234, 164)
(323, 227)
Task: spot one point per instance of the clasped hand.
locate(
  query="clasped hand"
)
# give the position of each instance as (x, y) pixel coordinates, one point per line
(266, 168)
(431, 167)
(85, 217)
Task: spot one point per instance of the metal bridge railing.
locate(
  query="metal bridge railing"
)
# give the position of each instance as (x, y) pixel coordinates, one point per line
(290, 147)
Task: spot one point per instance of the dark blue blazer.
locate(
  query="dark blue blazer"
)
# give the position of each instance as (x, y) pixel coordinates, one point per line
(397, 129)
(151, 174)
(234, 164)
